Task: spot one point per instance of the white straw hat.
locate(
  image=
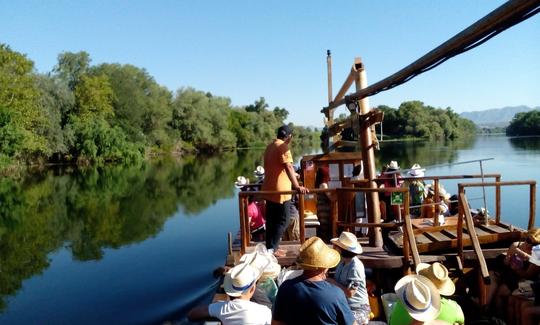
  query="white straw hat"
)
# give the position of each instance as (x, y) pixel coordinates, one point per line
(267, 266)
(535, 255)
(417, 171)
(259, 171)
(419, 296)
(347, 241)
(438, 274)
(239, 279)
(241, 181)
(393, 165)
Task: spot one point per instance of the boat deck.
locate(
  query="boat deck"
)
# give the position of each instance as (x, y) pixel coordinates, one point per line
(435, 239)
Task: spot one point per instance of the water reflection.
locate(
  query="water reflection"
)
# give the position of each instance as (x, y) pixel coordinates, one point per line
(526, 143)
(407, 153)
(92, 209)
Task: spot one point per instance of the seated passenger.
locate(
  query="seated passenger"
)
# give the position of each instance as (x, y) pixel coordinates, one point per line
(438, 275)
(417, 188)
(351, 277)
(239, 284)
(256, 218)
(515, 267)
(309, 299)
(419, 301)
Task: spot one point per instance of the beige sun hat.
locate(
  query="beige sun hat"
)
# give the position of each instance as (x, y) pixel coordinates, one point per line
(315, 254)
(241, 181)
(267, 267)
(438, 274)
(259, 171)
(419, 296)
(347, 241)
(239, 279)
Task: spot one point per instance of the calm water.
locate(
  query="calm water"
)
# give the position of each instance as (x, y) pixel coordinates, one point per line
(137, 245)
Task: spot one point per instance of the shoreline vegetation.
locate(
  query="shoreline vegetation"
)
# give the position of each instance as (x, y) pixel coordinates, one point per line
(86, 114)
(83, 114)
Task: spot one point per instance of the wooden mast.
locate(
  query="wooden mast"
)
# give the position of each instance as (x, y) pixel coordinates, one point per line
(368, 156)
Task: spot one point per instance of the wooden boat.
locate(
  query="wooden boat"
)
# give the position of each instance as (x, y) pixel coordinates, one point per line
(463, 243)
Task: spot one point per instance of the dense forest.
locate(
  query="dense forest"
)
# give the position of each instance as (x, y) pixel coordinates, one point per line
(110, 112)
(526, 123)
(414, 119)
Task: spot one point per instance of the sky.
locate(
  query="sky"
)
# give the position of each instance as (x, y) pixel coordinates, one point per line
(246, 49)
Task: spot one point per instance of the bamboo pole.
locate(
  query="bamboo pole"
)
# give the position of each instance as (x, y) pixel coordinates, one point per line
(329, 70)
(497, 200)
(301, 217)
(368, 158)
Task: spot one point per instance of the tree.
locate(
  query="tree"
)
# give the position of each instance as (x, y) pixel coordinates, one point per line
(259, 106)
(71, 67)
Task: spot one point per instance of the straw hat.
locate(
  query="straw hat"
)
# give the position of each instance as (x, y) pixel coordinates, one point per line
(241, 181)
(393, 166)
(347, 241)
(259, 171)
(239, 279)
(267, 267)
(417, 171)
(534, 236)
(315, 254)
(438, 274)
(419, 296)
(535, 255)
(442, 192)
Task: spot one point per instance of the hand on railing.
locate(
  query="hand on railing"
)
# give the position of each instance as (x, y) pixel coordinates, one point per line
(302, 189)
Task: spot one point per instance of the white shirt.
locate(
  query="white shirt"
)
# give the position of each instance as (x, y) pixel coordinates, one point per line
(239, 311)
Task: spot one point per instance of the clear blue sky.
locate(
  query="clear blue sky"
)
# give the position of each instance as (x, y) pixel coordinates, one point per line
(277, 49)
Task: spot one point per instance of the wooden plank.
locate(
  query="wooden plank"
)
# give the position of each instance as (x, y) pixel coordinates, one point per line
(421, 239)
(437, 236)
(497, 229)
(482, 232)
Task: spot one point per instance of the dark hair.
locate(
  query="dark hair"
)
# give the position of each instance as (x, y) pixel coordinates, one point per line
(322, 176)
(347, 254)
(283, 132)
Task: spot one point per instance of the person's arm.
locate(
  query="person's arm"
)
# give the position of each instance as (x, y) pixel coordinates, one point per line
(199, 313)
(292, 176)
(349, 292)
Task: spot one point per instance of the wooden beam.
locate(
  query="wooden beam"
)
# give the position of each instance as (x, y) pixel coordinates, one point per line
(474, 238)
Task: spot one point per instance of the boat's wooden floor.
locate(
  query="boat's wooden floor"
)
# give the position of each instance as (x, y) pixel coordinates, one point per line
(433, 239)
(373, 257)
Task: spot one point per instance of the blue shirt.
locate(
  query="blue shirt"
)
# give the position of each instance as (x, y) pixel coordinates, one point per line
(353, 275)
(300, 301)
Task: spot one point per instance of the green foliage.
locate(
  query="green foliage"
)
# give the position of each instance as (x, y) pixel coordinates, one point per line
(526, 123)
(416, 120)
(72, 67)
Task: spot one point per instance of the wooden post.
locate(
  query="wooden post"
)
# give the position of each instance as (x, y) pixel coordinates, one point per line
(498, 201)
(368, 159)
(243, 241)
(409, 230)
(436, 199)
(532, 205)
(329, 69)
(301, 217)
(461, 212)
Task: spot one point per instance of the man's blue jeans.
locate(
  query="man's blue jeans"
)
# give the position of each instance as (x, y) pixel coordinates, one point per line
(277, 221)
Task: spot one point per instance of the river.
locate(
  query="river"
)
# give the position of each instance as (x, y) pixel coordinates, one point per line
(136, 245)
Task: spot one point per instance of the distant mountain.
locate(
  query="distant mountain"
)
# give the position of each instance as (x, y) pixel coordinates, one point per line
(496, 117)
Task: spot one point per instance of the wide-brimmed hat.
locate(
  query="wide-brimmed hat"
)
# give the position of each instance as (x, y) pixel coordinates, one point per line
(239, 279)
(417, 171)
(241, 181)
(535, 255)
(442, 192)
(438, 274)
(533, 236)
(259, 171)
(268, 267)
(315, 254)
(392, 166)
(347, 241)
(419, 296)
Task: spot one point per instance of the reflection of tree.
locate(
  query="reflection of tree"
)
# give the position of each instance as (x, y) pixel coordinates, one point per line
(108, 207)
(426, 153)
(526, 143)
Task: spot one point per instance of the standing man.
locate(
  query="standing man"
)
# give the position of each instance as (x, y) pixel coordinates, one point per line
(279, 176)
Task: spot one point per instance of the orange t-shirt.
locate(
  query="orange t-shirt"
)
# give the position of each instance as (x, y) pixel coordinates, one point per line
(276, 156)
